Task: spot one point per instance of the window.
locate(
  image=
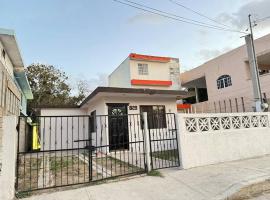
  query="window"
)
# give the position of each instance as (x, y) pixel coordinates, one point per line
(224, 81)
(142, 69)
(156, 116)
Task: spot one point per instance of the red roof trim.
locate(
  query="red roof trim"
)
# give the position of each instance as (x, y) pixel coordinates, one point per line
(151, 82)
(134, 56)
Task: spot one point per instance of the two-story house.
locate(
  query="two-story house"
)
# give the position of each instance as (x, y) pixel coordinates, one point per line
(224, 83)
(141, 83)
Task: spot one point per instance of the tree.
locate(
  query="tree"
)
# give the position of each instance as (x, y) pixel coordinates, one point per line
(82, 89)
(49, 86)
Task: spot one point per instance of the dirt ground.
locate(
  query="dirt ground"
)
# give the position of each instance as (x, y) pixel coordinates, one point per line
(252, 191)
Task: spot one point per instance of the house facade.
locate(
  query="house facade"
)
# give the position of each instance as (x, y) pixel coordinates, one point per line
(224, 84)
(140, 84)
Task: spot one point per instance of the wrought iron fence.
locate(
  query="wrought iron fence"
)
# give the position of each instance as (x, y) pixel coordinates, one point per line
(163, 140)
(55, 151)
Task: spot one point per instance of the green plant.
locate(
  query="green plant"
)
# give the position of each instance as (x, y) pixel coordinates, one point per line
(155, 173)
(21, 195)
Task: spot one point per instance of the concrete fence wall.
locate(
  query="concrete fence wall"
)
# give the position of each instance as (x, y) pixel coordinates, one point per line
(213, 138)
(9, 155)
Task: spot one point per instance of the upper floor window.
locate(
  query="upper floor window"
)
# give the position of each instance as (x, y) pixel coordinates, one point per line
(224, 81)
(142, 69)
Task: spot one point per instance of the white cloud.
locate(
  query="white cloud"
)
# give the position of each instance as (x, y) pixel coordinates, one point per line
(207, 54)
(147, 18)
(239, 19)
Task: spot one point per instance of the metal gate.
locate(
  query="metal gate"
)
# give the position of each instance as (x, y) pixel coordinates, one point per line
(56, 151)
(164, 149)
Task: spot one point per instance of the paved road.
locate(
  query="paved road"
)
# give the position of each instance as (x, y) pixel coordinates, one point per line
(202, 183)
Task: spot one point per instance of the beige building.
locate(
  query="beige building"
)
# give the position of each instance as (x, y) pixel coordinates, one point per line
(224, 84)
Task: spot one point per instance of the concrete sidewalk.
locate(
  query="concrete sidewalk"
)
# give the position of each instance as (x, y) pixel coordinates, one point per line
(202, 183)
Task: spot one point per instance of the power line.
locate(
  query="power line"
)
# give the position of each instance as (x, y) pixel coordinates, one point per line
(198, 13)
(263, 19)
(167, 13)
(170, 16)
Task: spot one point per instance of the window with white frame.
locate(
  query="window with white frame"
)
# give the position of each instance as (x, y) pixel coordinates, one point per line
(224, 81)
(142, 69)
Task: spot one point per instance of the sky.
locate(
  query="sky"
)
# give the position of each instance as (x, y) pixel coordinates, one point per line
(88, 39)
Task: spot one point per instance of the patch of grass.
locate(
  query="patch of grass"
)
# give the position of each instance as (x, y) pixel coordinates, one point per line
(21, 195)
(171, 155)
(57, 163)
(155, 173)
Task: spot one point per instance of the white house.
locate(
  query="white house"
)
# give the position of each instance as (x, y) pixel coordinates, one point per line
(140, 84)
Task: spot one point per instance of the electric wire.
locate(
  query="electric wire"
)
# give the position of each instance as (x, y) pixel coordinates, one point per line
(170, 16)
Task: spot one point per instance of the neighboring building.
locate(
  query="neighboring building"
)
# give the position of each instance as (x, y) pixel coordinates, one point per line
(140, 84)
(224, 84)
(14, 87)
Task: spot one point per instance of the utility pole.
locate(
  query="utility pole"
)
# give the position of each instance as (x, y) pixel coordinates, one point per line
(254, 68)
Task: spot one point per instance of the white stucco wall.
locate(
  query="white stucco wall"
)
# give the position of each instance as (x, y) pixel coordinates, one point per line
(101, 136)
(120, 77)
(199, 148)
(9, 155)
(156, 71)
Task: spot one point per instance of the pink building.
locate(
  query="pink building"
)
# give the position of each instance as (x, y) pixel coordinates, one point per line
(224, 84)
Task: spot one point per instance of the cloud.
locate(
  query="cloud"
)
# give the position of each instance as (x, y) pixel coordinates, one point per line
(239, 19)
(207, 54)
(147, 18)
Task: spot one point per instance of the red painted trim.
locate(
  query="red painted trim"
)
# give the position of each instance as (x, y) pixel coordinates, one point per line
(151, 82)
(183, 106)
(135, 56)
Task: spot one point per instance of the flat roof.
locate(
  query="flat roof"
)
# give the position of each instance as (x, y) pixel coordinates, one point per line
(177, 93)
(135, 56)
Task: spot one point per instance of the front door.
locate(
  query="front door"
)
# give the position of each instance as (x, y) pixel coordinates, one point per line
(118, 126)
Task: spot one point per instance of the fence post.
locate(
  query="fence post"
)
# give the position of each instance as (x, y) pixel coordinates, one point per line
(178, 132)
(146, 142)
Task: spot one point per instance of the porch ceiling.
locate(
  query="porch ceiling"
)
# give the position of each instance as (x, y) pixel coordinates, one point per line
(199, 83)
(264, 61)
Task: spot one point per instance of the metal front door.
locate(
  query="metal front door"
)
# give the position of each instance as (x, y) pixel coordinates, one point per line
(118, 126)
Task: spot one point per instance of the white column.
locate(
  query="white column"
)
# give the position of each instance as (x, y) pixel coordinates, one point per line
(178, 128)
(146, 143)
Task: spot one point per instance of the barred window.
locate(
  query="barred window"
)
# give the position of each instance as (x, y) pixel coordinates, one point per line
(142, 69)
(13, 105)
(224, 81)
(156, 116)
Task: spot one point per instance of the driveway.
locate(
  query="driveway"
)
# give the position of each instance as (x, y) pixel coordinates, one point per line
(202, 183)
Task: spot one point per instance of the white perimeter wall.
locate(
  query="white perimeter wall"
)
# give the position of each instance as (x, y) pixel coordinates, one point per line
(9, 155)
(213, 138)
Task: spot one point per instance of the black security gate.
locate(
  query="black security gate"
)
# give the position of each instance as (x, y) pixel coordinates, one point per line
(163, 140)
(56, 151)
